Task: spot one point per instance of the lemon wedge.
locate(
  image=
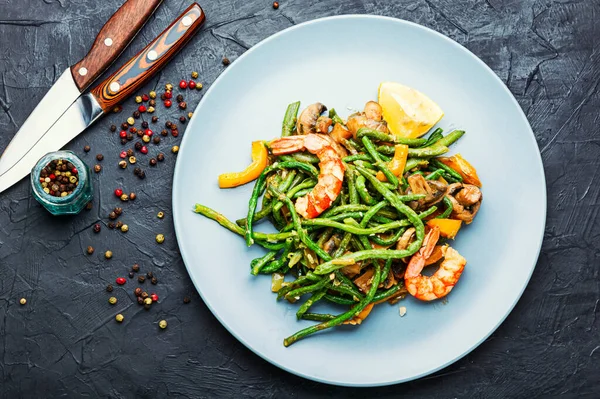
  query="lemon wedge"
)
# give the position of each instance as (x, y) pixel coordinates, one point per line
(408, 112)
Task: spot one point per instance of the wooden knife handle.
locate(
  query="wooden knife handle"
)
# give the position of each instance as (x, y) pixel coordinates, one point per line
(137, 71)
(114, 37)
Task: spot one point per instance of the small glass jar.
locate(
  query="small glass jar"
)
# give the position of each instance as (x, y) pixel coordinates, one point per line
(70, 204)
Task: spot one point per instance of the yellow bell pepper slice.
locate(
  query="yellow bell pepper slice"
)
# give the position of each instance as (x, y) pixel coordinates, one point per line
(260, 159)
(398, 162)
(448, 227)
(464, 168)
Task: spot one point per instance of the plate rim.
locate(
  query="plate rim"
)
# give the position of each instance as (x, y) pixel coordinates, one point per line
(530, 136)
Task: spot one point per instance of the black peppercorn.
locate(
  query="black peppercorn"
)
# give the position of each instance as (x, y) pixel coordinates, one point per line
(154, 280)
(164, 133)
(226, 61)
(124, 141)
(90, 250)
(140, 133)
(129, 136)
(132, 196)
(111, 225)
(137, 292)
(154, 119)
(136, 171)
(124, 126)
(152, 103)
(182, 119)
(131, 274)
(109, 288)
(186, 299)
(140, 301)
(141, 280)
(160, 157)
(153, 162)
(138, 145)
(136, 114)
(97, 228)
(113, 128)
(144, 293)
(119, 224)
(149, 274)
(112, 215)
(144, 125)
(135, 267)
(89, 206)
(179, 98)
(86, 148)
(118, 211)
(156, 139)
(142, 175)
(97, 168)
(168, 124)
(130, 152)
(99, 157)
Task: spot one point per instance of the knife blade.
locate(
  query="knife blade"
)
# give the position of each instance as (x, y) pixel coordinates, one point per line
(101, 99)
(112, 39)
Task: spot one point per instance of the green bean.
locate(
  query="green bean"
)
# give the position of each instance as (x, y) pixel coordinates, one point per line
(343, 245)
(411, 197)
(308, 289)
(382, 219)
(351, 182)
(357, 208)
(386, 269)
(359, 231)
(350, 145)
(412, 163)
(379, 136)
(449, 178)
(289, 120)
(384, 295)
(391, 240)
(259, 187)
(305, 157)
(358, 157)
(385, 149)
(434, 137)
(229, 225)
(325, 236)
(338, 263)
(428, 212)
(309, 302)
(450, 138)
(278, 220)
(363, 193)
(371, 212)
(448, 210)
(275, 265)
(270, 246)
(435, 174)
(259, 263)
(342, 317)
(392, 179)
(335, 117)
(428, 152)
(339, 300)
(455, 175)
(344, 279)
(303, 192)
(365, 164)
(317, 316)
(346, 289)
(298, 191)
(347, 215)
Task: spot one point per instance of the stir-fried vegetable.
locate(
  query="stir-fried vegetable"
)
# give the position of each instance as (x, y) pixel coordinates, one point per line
(347, 227)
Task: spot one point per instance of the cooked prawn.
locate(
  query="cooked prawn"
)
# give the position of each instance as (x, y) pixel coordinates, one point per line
(331, 174)
(438, 285)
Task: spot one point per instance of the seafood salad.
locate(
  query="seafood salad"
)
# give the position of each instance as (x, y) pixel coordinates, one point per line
(362, 205)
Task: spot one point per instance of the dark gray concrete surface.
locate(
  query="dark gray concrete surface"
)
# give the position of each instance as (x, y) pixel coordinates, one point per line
(65, 342)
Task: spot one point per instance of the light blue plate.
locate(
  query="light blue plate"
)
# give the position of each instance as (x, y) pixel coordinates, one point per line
(340, 62)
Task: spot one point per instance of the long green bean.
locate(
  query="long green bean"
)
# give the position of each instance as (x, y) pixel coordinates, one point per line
(335, 117)
(450, 138)
(309, 302)
(384, 295)
(308, 289)
(428, 152)
(259, 263)
(358, 157)
(371, 212)
(412, 163)
(317, 316)
(455, 175)
(435, 174)
(434, 137)
(363, 193)
(289, 120)
(380, 136)
(391, 178)
(339, 300)
(386, 269)
(448, 210)
(351, 183)
(391, 240)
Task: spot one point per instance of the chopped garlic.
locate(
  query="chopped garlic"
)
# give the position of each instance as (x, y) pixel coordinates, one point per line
(402, 311)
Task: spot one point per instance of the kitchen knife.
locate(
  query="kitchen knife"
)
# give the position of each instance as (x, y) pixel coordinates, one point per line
(102, 98)
(112, 39)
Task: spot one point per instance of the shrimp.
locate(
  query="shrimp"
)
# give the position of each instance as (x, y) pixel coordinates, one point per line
(438, 285)
(331, 174)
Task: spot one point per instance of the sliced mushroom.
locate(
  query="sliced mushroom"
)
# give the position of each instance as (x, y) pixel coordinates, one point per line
(308, 118)
(406, 239)
(331, 245)
(434, 191)
(466, 200)
(359, 120)
(373, 111)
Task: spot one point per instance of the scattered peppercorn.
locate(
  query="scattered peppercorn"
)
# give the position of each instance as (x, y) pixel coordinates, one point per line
(162, 324)
(118, 192)
(132, 196)
(226, 61)
(138, 145)
(113, 128)
(186, 299)
(124, 197)
(100, 157)
(86, 148)
(182, 119)
(119, 318)
(183, 84)
(153, 162)
(160, 157)
(276, 5)
(135, 267)
(137, 291)
(168, 87)
(108, 254)
(120, 280)
(198, 86)
(168, 103)
(141, 175)
(22, 301)
(138, 99)
(119, 224)
(194, 75)
(129, 137)
(156, 139)
(118, 211)
(169, 95)
(175, 149)
(141, 279)
(124, 228)
(90, 250)
(89, 206)
(136, 171)
(123, 141)
(154, 297)
(142, 109)
(174, 132)
(154, 119)
(131, 121)
(151, 109)
(145, 97)
(182, 105)
(140, 301)
(130, 152)
(164, 133)
(149, 274)
(154, 280)
(97, 168)
(132, 160)
(190, 114)
(160, 238)
(109, 288)
(144, 295)
(140, 133)
(124, 125)
(144, 125)
(192, 85)
(112, 215)
(97, 228)
(152, 94)
(112, 300)
(144, 149)
(179, 98)
(131, 274)
(122, 164)
(111, 225)
(148, 301)
(160, 215)
(146, 138)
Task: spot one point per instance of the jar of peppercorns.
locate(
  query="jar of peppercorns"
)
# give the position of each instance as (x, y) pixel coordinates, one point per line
(60, 181)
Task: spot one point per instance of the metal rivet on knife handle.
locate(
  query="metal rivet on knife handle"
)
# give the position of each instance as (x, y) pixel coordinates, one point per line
(141, 67)
(83, 71)
(112, 39)
(114, 87)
